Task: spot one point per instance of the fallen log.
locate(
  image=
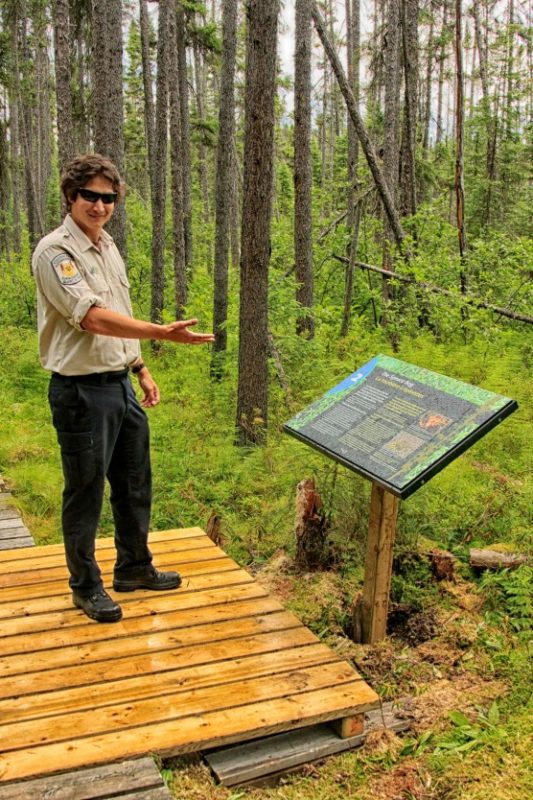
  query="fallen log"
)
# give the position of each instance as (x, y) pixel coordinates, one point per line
(429, 287)
(494, 559)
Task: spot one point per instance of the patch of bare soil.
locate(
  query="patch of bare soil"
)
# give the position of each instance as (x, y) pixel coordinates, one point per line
(412, 625)
(407, 781)
(437, 698)
(276, 576)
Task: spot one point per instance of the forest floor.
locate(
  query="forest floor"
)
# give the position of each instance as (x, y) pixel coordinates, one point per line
(459, 676)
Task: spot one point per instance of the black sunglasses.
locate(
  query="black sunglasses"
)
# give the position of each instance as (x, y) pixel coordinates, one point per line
(92, 197)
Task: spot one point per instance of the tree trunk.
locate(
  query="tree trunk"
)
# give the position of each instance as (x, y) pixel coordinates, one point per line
(65, 124)
(149, 113)
(202, 150)
(366, 143)
(353, 36)
(459, 140)
(491, 120)
(180, 267)
(160, 163)
(5, 194)
(442, 63)
(409, 19)
(429, 74)
(252, 393)
(303, 251)
(108, 104)
(224, 180)
(185, 134)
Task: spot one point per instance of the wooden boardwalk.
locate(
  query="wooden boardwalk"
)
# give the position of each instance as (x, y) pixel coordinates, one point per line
(215, 662)
(13, 532)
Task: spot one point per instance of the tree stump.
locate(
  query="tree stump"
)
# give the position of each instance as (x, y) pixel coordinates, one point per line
(213, 529)
(312, 545)
(442, 564)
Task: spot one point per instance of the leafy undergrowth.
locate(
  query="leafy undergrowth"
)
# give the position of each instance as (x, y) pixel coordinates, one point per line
(459, 673)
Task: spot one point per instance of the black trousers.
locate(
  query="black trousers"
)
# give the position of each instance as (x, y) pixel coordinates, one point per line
(102, 432)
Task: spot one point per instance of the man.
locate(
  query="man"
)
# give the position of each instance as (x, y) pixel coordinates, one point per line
(89, 340)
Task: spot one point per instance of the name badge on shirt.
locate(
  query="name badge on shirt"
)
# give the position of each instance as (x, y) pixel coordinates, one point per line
(66, 270)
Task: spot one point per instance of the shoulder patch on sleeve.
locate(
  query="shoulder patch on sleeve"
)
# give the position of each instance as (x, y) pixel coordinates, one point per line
(66, 270)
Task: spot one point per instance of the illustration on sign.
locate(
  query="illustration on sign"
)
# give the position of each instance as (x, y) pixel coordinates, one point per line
(398, 424)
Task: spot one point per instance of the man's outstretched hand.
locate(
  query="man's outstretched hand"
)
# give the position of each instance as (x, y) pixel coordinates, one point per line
(179, 332)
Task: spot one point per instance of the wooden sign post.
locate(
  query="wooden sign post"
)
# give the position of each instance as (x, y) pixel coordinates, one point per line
(370, 615)
(397, 425)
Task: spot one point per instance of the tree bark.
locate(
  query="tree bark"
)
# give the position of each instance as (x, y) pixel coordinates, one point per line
(160, 163)
(185, 134)
(303, 252)
(409, 19)
(108, 103)
(199, 81)
(224, 180)
(178, 237)
(149, 112)
(353, 36)
(252, 393)
(63, 72)
(459, 140)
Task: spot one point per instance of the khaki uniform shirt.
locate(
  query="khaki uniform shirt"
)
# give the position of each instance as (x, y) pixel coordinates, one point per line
(72, 275)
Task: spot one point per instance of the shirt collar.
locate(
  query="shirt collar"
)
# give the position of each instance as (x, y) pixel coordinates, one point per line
(81, 238)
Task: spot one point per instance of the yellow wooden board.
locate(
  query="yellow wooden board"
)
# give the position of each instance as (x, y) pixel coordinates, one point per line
(214, 662)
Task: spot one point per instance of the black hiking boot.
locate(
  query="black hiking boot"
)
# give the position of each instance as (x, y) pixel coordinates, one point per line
(98, 606)
(146, 578)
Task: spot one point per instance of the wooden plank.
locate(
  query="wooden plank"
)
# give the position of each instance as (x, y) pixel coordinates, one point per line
(187, 734)
(240, 764)
(162, 612)
(49, 573)
(9, 512)
(25, 541)
(63, 602)
(378, 564)
(12, 522)
(268, 634)
(92, 784)
(252, 617)
(223, 674)
(29, 563)
(53, 588)
(17, 532)
(157, 607)
(107, 542)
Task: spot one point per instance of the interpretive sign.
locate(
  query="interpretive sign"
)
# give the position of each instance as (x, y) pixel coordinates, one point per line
(398, 424)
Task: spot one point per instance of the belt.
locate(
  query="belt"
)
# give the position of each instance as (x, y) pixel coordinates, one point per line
(98, 378)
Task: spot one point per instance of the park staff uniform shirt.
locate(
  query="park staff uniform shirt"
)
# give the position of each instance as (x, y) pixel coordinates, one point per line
(72, 275)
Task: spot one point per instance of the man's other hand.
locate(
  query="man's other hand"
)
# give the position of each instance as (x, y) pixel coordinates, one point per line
(150, 389)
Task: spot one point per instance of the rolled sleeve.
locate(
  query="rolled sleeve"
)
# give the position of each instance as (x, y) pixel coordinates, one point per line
(63, 283)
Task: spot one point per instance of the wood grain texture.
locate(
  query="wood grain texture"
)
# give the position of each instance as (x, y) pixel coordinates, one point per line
(215, 662)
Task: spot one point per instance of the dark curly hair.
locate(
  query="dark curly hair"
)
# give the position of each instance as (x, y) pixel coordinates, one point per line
(82, 169)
